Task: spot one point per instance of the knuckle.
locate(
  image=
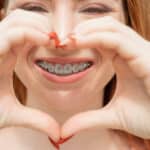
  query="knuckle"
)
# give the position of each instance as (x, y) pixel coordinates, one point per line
(117, 41)
(121, 119)
(109, 18)
(22, 34)
(17, 35)
(20, 31)
(79, 26)
(113, 24)
(114, 27)
(12, 21)
(16, 17)
(6, 108)
(14, 13)
(17, 11)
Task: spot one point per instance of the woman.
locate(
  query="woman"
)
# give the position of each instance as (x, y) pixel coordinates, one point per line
(98, 46)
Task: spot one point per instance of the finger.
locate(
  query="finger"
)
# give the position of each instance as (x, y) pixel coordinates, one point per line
(136, 143)
(24, 18)
(103, 24)
(104, 118)
(106, 23)
(127, 84)
(19, 36)
(108, 40)
(34, 119)
(136, 54)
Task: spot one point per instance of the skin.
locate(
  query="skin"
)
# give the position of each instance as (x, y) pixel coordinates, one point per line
(56, 106)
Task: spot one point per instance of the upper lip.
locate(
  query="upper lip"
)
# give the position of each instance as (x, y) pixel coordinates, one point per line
(65, 60)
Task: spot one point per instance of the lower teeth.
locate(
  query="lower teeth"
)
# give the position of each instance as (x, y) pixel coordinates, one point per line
(63, 72)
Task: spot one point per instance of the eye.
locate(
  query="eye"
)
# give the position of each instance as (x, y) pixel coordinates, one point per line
(33, 7)
(96, 10)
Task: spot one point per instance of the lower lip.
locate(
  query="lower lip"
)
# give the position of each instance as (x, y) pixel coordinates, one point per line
(67, 79)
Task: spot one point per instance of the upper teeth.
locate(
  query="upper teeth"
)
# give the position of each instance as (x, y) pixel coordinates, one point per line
(66, 69)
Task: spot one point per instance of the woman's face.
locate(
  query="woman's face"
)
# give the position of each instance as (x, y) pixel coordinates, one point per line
(63, 16)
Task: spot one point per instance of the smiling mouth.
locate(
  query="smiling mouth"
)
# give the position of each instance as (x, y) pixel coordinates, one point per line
(64, 69)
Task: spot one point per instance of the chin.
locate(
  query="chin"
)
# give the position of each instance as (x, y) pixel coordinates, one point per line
(78, 91)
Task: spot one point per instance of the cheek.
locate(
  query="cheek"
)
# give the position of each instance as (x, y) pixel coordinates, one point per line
(105, 70)
(23, 68)
(23, 72)
(101, 74)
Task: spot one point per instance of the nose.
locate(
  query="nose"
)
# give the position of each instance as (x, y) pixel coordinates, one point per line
(62, 21)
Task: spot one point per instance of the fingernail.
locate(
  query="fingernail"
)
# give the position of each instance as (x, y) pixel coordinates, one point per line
(56, 145)
(54, 36)
(62, 140)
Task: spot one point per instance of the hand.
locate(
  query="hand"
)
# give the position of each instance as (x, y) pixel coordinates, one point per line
(17, 30)
(129, 109)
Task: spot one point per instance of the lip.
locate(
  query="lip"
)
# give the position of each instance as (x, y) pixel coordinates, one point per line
(66, 79)
(65, 60)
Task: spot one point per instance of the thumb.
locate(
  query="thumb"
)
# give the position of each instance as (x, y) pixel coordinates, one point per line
(34, 119)
(104, 118)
